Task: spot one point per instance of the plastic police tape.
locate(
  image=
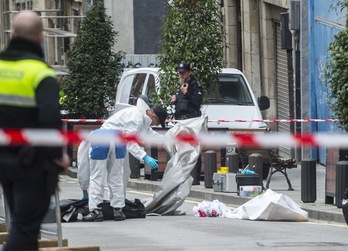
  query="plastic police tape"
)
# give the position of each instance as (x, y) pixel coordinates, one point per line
(51, 137)
(219, 120)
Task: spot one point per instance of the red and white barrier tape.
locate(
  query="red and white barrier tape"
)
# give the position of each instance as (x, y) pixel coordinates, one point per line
(83, 120)
(57, 138)
(219, 121)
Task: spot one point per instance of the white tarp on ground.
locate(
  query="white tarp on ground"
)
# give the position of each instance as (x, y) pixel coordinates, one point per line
(270, 206)
(177, 181)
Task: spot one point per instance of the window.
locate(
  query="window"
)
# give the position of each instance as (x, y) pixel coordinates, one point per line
(231, 89)
(151, 87)
(137, 87)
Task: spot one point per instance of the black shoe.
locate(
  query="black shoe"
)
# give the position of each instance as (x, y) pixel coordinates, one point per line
(118, 214)
(95, 215)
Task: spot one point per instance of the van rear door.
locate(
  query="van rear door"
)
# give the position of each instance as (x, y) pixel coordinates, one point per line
(131, 86)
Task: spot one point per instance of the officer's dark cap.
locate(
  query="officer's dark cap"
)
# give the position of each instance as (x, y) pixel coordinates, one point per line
(161, 113)
(183, 67)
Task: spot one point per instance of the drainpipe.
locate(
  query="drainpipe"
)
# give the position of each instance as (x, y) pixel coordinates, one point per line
(294, 25)
(223, 13)
(259, 16)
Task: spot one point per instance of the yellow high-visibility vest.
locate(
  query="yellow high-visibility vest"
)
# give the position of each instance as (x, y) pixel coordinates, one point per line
(19, 79)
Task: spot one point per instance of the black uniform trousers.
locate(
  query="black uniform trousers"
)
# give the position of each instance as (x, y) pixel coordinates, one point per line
(28, 191)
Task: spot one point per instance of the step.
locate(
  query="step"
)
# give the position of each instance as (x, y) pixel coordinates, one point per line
(79, 248)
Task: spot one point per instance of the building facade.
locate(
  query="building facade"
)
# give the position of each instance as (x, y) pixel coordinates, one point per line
(324, 21)
(280, 45)
(61, 19)
(288, 69)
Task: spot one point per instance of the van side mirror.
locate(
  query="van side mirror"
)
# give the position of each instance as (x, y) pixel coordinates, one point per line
(263, 102)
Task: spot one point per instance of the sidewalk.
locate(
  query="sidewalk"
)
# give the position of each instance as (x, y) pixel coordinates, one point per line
(316, 211)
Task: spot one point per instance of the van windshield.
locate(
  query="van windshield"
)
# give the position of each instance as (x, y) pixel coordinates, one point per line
(231, 89)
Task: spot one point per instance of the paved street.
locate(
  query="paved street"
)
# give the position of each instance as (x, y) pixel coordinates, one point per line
(192, 233)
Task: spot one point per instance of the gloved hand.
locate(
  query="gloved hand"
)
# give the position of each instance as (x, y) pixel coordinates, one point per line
(247, 171)
(151, 162)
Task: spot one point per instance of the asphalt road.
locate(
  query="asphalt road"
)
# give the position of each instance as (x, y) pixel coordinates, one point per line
(193, 233)
(188, 232)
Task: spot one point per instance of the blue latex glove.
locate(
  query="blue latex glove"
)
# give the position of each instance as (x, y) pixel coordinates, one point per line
(151, 162)
(247, 171)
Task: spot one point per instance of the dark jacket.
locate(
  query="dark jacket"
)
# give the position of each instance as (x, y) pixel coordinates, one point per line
(188, 105)
(46, 114)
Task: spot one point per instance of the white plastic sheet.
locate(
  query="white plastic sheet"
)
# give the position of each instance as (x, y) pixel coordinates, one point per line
(177, 181)
(270, 206)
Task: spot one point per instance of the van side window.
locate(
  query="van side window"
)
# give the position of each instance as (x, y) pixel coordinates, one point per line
(137, 88)
(151, 84)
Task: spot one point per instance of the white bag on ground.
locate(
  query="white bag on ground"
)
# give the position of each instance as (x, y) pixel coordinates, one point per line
(271, 206)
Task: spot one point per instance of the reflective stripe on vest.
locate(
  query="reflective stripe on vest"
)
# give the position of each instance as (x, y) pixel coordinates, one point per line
(19, 79)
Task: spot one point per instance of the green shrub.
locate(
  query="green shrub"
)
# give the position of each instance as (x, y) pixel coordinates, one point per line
(93, 66)
(337, 76)
(192, 33)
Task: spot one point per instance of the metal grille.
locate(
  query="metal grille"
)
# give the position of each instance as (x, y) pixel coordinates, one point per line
(140, 60)
(282, 83)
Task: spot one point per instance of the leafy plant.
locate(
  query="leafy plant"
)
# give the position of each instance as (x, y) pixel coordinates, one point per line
(337, 70)
(337, 76)
(339, 6)
(94, 67)
(192, 33)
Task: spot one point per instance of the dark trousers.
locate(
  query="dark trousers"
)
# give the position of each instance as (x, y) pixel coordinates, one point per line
(28, 195)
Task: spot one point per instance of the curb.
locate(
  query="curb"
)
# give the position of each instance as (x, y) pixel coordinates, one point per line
(317, 214)
(234, 200)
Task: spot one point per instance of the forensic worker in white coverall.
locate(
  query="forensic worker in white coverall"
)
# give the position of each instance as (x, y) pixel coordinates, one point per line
(108, 160)
(83, 151)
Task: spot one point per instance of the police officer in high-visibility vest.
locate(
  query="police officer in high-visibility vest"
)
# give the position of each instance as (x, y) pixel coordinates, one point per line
(29, 98)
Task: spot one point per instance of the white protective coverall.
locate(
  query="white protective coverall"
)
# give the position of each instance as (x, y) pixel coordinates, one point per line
(131, 120)
(83, 171)
(83, 165)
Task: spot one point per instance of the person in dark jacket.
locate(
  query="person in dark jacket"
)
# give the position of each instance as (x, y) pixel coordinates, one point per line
(188, 100)
(29, 98)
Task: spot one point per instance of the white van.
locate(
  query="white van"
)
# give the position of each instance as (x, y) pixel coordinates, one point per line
(233, 100)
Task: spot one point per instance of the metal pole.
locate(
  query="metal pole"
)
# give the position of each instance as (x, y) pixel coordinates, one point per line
(209, 168)
(256, 165)
(341, 181)
(298, 152)
(232, 161)
(59, 220)
(308, 181)
(7, 216)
